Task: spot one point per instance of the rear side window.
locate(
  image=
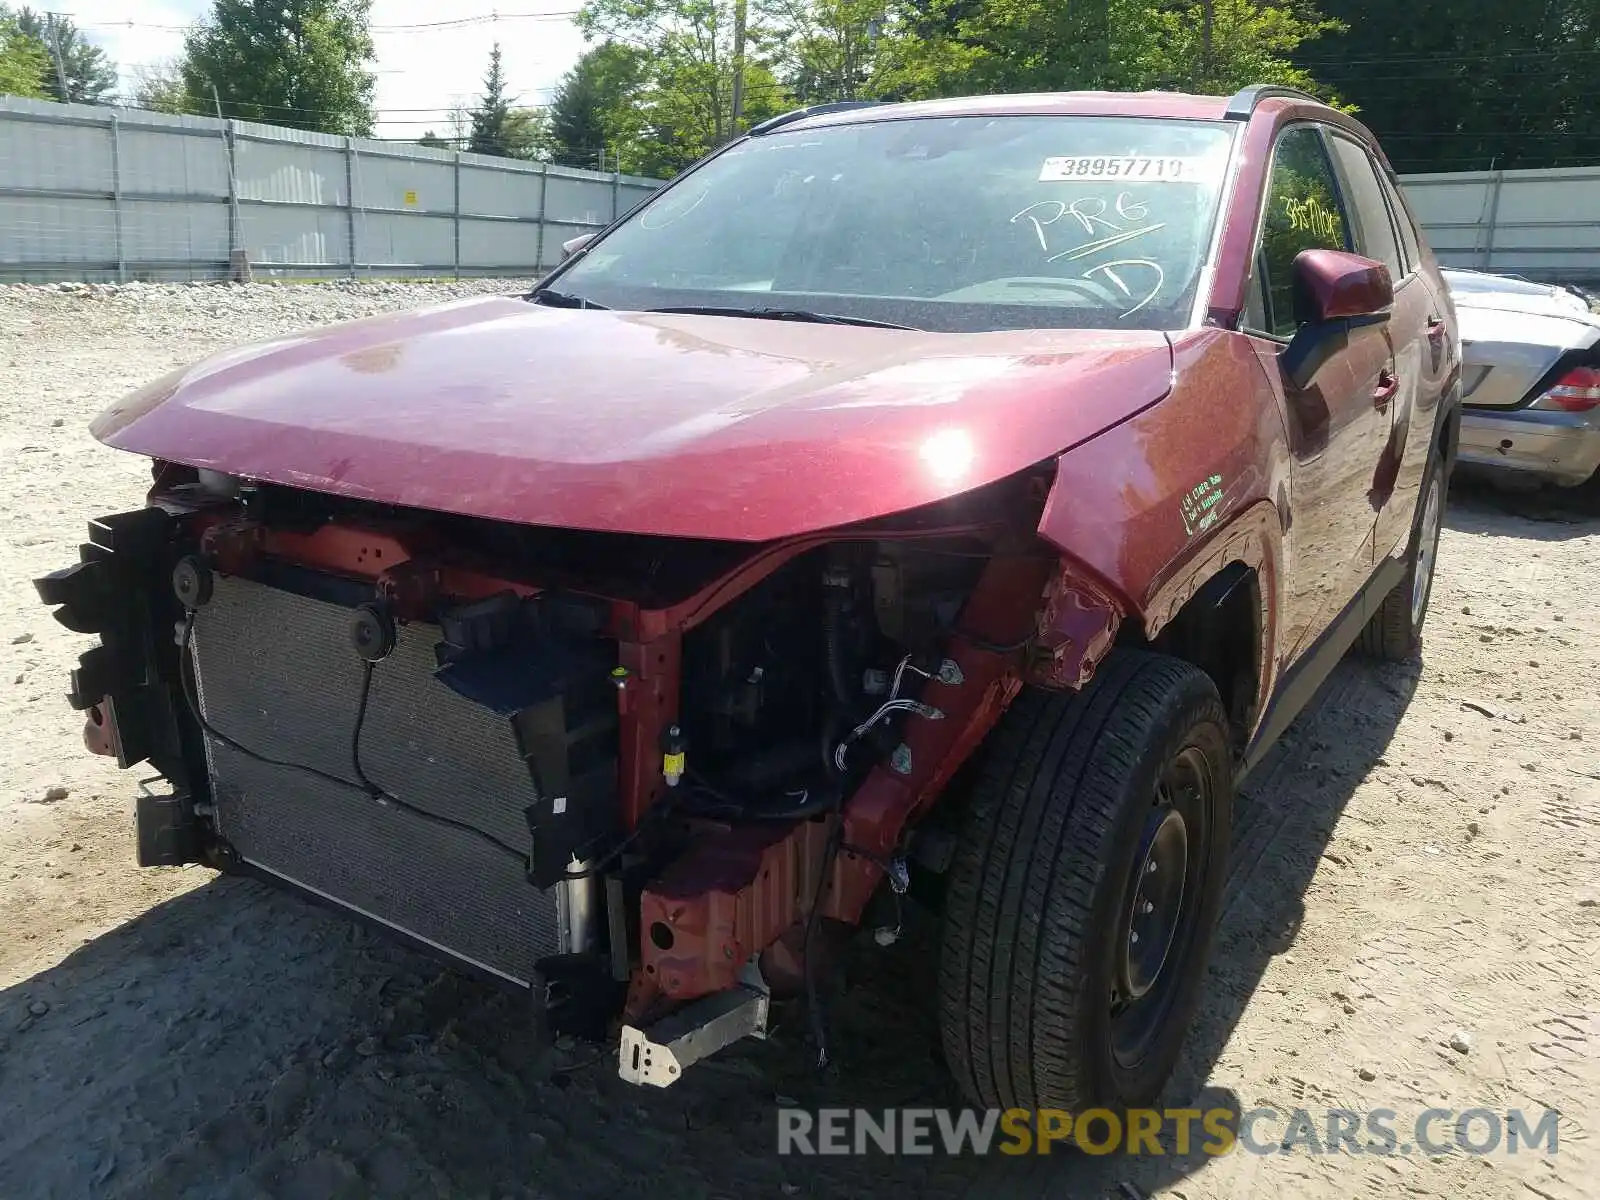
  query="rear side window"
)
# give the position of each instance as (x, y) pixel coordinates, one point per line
(1304, 212)
(1369, 211)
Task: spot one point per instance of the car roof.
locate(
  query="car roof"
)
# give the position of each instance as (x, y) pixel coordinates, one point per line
(1158, 105)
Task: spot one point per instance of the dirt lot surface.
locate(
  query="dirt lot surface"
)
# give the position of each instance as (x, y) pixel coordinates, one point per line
(1418, 864)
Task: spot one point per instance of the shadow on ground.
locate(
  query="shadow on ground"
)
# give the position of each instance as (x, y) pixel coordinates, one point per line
(1480, 504)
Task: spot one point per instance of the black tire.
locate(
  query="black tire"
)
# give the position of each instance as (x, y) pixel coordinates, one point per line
(1041, 891)
(1394, 633)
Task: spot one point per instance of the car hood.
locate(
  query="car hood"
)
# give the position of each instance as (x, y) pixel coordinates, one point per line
(661, 424)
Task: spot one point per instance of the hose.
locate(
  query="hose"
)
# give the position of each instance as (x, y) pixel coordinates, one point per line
(800, 805)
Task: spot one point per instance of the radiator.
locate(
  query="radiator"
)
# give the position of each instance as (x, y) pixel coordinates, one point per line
(276, 673)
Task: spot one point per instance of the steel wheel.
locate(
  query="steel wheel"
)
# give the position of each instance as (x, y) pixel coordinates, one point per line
(1158, 920)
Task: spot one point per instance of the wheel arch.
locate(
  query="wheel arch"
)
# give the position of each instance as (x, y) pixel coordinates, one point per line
(1219, 611)
(1221, 629)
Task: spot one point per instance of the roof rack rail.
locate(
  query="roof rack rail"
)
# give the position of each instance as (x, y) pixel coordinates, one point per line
(814, 110)
(1243, 104)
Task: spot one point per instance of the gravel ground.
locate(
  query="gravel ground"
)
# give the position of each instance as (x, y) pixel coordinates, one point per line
(1416, 865)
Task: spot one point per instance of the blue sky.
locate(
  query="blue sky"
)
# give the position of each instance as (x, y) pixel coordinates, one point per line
(418, 68)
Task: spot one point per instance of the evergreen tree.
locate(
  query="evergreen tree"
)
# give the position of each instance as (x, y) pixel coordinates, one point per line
(584, 112)
(490, 120)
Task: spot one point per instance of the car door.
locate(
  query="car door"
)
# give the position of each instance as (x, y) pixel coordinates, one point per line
(1410, 409)
(1337, 430)
(1441, 354)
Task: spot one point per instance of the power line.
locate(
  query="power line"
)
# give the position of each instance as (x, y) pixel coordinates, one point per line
(1523, 52)
(469, 22)
(453, 23)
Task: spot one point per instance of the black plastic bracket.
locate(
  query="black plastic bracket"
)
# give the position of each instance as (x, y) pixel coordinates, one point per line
(168, 833)
(576, 994)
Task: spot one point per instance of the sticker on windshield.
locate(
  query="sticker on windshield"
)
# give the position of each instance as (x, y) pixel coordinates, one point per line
(1132, 168)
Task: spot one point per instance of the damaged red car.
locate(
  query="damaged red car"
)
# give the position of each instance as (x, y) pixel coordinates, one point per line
(957, 497)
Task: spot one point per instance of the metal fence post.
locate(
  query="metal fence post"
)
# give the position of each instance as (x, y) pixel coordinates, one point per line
(1494, 220)
(116, 196)
(458, 214)
(616, 195)
(238, 257)
(544, 194)
(350, 199)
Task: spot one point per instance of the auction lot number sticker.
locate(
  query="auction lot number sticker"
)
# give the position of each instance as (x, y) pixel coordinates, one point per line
(1133, 168)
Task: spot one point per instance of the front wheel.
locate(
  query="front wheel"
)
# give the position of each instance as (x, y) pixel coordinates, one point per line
(1394, 633)
(1083, 896)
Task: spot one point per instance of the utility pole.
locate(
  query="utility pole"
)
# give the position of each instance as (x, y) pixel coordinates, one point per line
(54, 31)
(739, 7)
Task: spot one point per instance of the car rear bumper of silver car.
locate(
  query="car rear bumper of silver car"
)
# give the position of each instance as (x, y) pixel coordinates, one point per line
(1558, 447)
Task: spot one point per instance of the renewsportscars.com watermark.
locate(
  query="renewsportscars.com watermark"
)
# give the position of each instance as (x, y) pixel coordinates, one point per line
(1177, 1131)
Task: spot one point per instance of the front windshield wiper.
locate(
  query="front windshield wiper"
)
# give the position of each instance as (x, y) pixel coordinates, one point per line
(778, 314)
(557, 299)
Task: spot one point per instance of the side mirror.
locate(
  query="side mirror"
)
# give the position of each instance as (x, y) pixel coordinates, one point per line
(1331, 285)
(571, 247)
(1334, 294)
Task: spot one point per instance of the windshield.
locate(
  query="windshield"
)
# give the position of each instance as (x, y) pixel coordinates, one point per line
(967, 223)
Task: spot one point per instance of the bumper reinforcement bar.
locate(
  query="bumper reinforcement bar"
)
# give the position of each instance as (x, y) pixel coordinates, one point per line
(660, 1056)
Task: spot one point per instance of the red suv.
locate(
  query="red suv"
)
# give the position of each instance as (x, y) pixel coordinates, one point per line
(943, 503)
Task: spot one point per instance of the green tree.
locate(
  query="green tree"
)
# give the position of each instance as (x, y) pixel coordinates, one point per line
(1460, 85)
(592, 108)
(1219, 46)
(301, 63)
(828, 49)
(946, 47)
(22, 60)
(527, 133)
(91, 76)
(433, 140)
(685, 93)
(159, 87)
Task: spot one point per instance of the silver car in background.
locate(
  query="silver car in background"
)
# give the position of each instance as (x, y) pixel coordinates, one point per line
(1531, 378)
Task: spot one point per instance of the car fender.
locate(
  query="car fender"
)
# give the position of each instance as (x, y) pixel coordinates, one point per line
(1162, 503)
